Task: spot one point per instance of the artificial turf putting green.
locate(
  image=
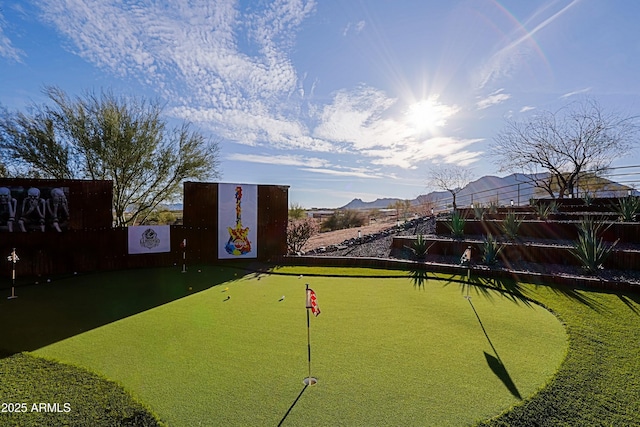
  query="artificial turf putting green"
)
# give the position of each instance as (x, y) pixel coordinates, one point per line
(384, 353)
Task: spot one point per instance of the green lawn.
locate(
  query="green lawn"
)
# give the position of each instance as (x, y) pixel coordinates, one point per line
(385, 351)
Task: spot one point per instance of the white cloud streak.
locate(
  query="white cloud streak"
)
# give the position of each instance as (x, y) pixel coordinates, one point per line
(7, 50)
(495, 98)
(576, 92)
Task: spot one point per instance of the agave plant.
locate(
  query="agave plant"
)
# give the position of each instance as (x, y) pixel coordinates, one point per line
(628, 207)
(544, 210)
(588, 198)
(420, 247)
(456, 225)
(479, 211)
(491, 248)
(511, 225)
(589, 249)
(493, 206)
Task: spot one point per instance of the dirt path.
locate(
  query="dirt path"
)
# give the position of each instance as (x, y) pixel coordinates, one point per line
(339, 236)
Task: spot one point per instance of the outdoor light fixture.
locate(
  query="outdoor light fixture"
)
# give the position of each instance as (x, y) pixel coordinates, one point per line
(511, 202)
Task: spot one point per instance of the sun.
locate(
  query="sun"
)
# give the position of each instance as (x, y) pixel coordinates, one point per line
(428, 115)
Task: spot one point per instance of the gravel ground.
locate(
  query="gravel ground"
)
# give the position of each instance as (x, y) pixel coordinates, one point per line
(379, 245)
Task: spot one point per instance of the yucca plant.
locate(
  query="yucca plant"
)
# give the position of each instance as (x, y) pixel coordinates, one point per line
(510, 225)
(628, 207)
(589, 249)
(456, 225)
(544, 210)
(588, 198)
(479, 211)
(491, 248)
(420, 247)
(493, 206)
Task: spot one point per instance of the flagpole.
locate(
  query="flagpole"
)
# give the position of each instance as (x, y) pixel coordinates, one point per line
(309, 380)
(308, 344)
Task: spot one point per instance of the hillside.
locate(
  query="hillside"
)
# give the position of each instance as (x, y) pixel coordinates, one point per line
(484, 190)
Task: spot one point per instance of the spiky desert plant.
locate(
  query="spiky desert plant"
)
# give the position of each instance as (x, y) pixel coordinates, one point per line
(510, 225)
(491, 248)
(591, 250)
(588, 198)
(456, 224)
(544, 210)
(479, 211)
(420, 248)
(628, 207)
(493, 206)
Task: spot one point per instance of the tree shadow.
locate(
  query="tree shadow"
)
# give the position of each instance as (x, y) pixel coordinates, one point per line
(292, 405)
(631, 301)
(495, 363)
(51, 311)
(488, 286)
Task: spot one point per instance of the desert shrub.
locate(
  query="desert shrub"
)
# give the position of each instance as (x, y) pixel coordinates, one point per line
(479, 211)
(456, 224)
(344, 218)
(510, 225)
(590, 249)
(491, 248)
(420, 248)
(543, 210)
(628, 207)
(299, 232)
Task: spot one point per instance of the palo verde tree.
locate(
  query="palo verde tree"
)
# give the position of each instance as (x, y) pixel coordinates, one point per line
(556, 148)
(450, 178)
(102, 136)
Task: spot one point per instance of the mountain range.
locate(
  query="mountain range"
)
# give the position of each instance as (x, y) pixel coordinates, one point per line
(488, 189)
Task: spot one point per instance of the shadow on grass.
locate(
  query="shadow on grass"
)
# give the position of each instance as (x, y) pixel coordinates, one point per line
(631, 301)
(495, 362)
(292, 405)
(48, 312)
(484, 286)
(506, 287)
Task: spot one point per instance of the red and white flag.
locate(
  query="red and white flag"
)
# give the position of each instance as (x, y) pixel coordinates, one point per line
(183, 244)
(312, 302)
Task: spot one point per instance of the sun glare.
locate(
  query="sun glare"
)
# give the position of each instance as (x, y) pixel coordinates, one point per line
(429, 114)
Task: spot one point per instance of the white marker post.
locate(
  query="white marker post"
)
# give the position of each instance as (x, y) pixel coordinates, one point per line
(13, 258)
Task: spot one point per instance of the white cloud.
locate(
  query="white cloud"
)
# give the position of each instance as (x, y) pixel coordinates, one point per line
(576, 92)
(228, 68)
(284, 160)
(354, 27)
(7, 50)
(495, 98)
(349, 172)
(527, 108)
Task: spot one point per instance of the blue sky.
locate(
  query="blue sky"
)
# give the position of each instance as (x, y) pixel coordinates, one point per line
(337, 99)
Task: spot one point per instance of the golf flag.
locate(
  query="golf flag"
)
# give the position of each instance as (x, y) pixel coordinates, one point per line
(466, 256)
(312, 302)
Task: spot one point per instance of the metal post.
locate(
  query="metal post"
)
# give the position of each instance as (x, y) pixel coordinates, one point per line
(13, 258)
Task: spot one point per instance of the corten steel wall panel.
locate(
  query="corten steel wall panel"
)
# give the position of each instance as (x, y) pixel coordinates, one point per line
(200, 221)
(200, 216)
(94, 248)
(273, 212)
(89, 201)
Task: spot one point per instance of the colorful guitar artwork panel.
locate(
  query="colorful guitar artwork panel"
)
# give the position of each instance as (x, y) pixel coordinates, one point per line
(238, 243)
